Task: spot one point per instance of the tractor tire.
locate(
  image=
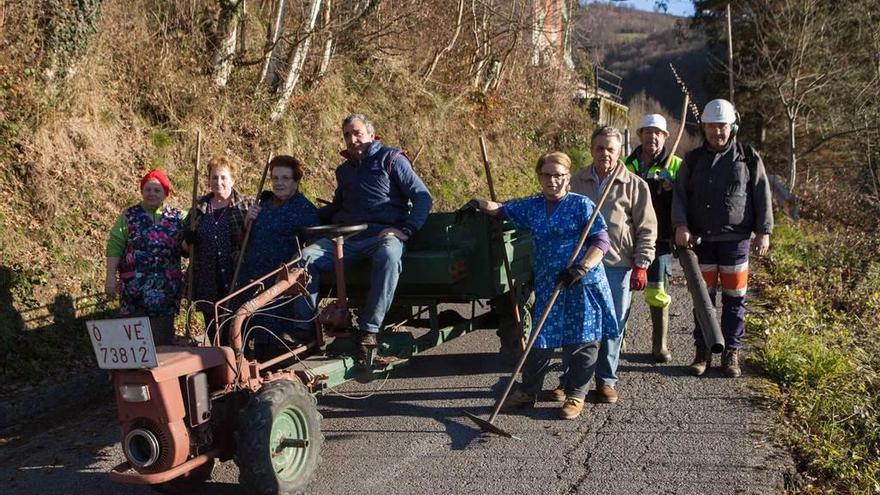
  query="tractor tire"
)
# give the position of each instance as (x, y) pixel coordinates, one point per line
(281, 410)
(188, 483)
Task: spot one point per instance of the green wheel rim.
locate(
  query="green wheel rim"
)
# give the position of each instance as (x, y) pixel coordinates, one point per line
(289, 462)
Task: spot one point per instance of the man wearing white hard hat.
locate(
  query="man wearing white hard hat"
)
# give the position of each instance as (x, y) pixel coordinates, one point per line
(651, 162)
(722, 196)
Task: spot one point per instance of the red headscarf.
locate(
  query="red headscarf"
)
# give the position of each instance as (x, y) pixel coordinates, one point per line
(160, 176)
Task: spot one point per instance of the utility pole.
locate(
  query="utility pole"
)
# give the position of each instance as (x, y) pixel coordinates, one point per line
(729, 54)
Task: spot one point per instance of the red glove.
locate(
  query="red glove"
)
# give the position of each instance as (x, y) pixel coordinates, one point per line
(639, 278)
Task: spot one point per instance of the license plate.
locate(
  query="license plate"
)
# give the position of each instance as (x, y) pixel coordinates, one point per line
(123, 343)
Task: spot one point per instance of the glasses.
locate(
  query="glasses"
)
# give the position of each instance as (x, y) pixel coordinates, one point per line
(546, 176)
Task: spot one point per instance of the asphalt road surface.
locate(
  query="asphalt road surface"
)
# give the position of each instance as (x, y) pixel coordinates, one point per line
(669, 433)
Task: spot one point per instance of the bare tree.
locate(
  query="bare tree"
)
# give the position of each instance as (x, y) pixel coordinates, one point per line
(327, 52)
(226, 35)
(438, 54)
(297, 60)
(272, 50)
(797, 57)
(241, 44)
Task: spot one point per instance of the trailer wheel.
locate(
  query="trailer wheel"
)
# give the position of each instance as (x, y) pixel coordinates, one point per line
(279, 441)
(187, 483)
(507, 330)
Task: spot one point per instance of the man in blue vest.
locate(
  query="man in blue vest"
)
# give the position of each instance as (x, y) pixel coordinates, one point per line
(651, 161)
(375, 185)
(722, 196)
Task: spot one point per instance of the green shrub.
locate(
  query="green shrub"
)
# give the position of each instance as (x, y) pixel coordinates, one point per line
(819, 344)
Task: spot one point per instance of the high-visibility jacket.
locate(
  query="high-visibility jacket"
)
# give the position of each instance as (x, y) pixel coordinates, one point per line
(655, 174)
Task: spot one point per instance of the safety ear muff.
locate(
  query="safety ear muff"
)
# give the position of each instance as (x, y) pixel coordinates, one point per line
(735, 126)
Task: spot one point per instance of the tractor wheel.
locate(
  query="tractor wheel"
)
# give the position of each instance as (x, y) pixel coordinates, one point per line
(279, 441)
(187, 483)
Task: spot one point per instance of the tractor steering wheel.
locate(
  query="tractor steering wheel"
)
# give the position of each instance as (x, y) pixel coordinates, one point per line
(333, 231)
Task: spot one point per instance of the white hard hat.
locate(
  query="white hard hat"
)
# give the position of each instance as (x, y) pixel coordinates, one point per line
(719, 111)
(653, 120)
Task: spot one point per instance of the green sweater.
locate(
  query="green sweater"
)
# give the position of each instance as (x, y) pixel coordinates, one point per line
(117, 241)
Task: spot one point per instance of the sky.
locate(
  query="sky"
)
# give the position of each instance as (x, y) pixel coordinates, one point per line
(676, 7)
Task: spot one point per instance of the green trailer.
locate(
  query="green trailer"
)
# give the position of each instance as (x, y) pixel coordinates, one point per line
(446, 262)
(449, 262)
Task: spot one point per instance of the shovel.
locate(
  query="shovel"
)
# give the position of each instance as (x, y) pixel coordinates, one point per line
(488, 425)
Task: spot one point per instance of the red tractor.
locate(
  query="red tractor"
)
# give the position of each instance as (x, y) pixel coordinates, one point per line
(195, 405)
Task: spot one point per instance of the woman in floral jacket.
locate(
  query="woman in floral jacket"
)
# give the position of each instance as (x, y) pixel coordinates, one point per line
(144, 249)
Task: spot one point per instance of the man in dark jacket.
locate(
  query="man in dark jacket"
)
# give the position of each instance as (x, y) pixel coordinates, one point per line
(375, 185)
(723, 196)
(651, 161)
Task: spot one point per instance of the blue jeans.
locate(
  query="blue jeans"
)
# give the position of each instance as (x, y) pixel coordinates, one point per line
(384, 254)
(609, 351)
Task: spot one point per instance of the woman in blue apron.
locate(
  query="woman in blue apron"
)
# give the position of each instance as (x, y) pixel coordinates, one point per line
(583, 313)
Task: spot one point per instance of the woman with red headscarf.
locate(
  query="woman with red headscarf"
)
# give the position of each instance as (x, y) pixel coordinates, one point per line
(144, 248)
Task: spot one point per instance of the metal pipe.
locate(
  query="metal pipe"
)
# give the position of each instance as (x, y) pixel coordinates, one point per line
(287, 280)
(289, 354)
(339, 269)
(704, 310)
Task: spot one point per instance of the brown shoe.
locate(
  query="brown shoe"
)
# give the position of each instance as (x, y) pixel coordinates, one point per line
(606, 394)
(572, 408)
(556, 395)
(518, 399)
(730, 363)
(369, 339)
(702, 361)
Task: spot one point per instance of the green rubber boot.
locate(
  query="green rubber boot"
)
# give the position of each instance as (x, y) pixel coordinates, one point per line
(660, 327)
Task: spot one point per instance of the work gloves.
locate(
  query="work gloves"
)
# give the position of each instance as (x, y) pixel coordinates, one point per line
(569, 276)
(467, 211)
(638, 280)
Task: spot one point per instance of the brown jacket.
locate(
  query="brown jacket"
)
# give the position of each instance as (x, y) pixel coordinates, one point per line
(632, 224)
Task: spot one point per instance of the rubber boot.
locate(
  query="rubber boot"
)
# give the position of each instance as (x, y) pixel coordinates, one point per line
(659, 334)
(702, 361)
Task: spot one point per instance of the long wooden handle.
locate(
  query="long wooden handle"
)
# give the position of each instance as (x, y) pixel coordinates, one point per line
(416, 156)
(487, 166)
(586, 232)
(537, 331)
(192, 215)
(684, 116)
(247, 230)
(190, 271)
(514, 294)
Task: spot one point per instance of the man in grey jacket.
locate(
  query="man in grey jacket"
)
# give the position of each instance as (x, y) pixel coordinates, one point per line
(632, 231)
(722, 196)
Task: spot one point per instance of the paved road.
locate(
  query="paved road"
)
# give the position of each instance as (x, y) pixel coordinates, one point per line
(670, 433)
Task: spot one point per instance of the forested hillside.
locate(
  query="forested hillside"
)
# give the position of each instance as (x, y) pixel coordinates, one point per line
(639, 46)
(94, 93)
